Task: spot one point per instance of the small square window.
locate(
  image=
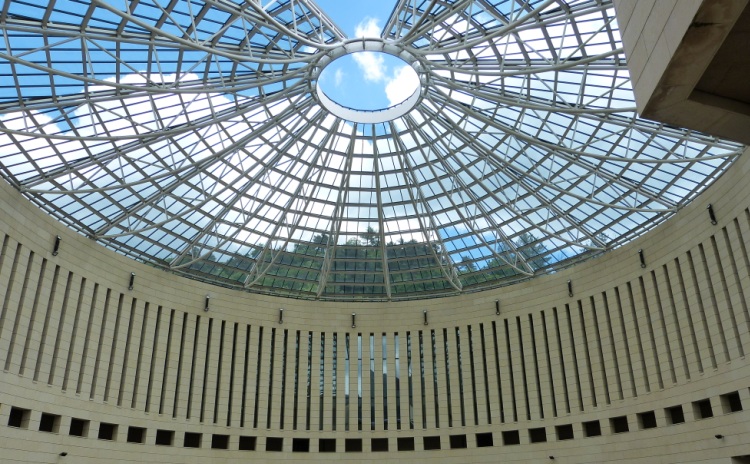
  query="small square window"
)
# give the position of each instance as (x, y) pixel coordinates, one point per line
(192, 440)
(511, 437)
(79, 427)
(405, 443)
(703, 409)
(564, 432)
(458, 441)
(136, 435)
(19, 417)
(592, 428)
(731, 402)
(619, 424)
(379, 444)
(675, 415)
(647, 420)
(353, 445)
(219, 441)
(107, 431)
(49, 423)
(247, 443)
(164, 437)
(485, 440)
(274, 444)
(431, 443)
(538, 435)
(327, 445)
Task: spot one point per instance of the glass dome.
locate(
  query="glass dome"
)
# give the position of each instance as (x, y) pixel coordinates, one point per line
(192, 135)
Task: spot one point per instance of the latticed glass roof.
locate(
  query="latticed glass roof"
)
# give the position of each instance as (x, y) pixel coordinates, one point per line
(192, 135)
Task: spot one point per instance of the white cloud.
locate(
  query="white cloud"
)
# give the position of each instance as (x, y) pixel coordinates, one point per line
(402, 85)
(372, 66)
(338, 77)
(367, 28)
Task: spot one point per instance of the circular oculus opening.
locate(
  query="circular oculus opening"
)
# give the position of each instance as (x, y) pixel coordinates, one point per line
(367, 86)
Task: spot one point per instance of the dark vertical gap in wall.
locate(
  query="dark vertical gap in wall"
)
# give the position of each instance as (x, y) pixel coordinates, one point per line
(459, 366)
(347, 381)
(435, 392)
(524, 377)
(60, 326)
(153, 358)
(746, 262)
(675, 317)
(113, 347)
(48, 311)
(712, 296)
(257, 377)
(4, 249)
(449, 402)
(128, 336)
(19, 312)
(589, 367)
(472, 371)
(410, 375)
(689, 312)
(245, 372)
(180, 363)
(309, 380)
(639, 338)
(562, 360)
(397, 377)
(73, 334)
(651, 334)
(321, 381)
(497, 369)
(664, 334)
(282, 401)
(334, 379)
(736, 276)
(485, 372)
(232, 373)
(552, 390)
(295, 402)
(423, 380)
(206, 367)
(613, 350)
(384, 371)
(219, 371)
(626, 341)
(87, 339)
(99, 345)
(41, 281)
(535, 357)
(576, 368)
(512, 380)
(193, 362)
(272, 358)
(139, 356)
(9, 286)
(727, 297)
(372, 381)
(167, 359)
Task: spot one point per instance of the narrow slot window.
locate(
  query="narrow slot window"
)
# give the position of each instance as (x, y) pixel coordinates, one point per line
(384, 366)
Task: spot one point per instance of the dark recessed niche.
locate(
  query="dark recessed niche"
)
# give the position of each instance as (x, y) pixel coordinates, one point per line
(675, 415)
(107, 431)
(274, 444)
(300, 445)
(511, 437)
(431, 443)
(592, 428)
(405, 443)
(327, 445)
(219, 441)
(485, 440)
(619, 424)
(247, 443)
(353, 445)
(49, 423)
(703, 409)
(458, 441)
(192, 440)
(19, 417)
(79, 427)
(731, 402)
(379, 444)
(164, 437)
(136, 435)
(538, 435)
(647, 420)
(564, 432)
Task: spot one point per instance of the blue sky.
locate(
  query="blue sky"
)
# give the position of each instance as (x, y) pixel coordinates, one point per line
(365, 80)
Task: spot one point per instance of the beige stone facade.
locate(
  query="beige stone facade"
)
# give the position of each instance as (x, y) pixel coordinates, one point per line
(638, 355)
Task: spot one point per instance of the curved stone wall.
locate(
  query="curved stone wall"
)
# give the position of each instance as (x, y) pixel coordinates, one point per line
(639, 363)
